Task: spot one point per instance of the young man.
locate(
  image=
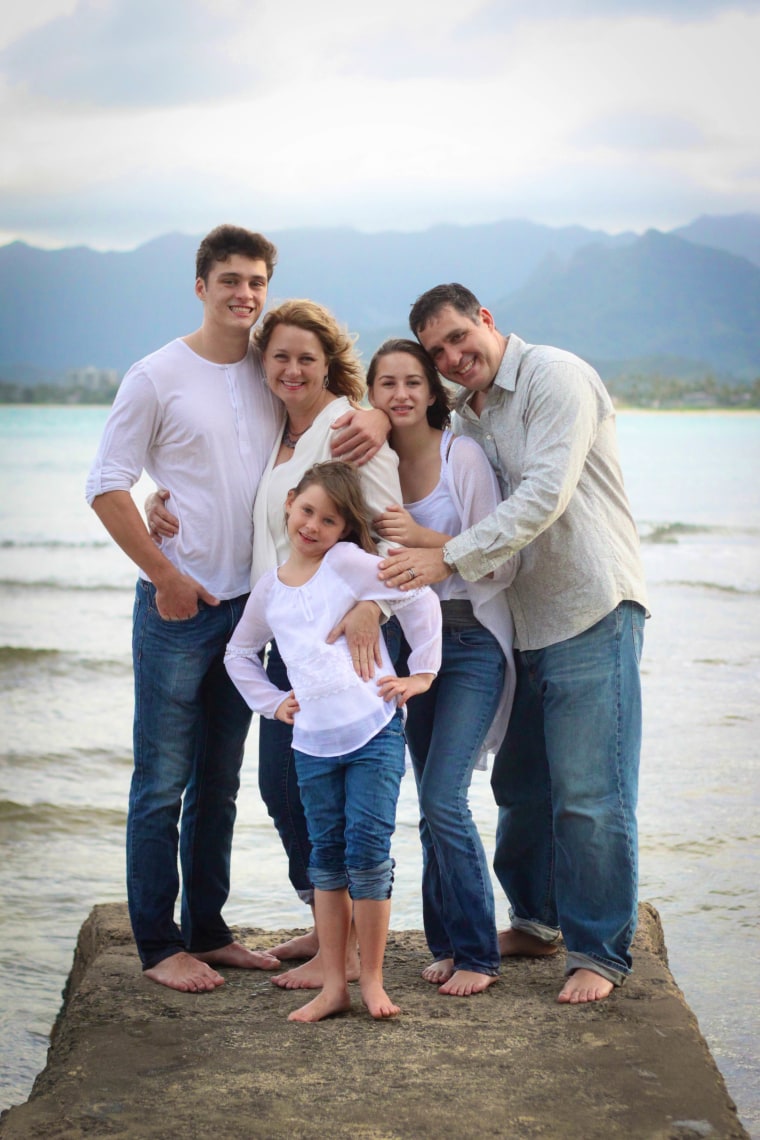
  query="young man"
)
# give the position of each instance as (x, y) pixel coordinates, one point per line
(197, 415)
(566, 777)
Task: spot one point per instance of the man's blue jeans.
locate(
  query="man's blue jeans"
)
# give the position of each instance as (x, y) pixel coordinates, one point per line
(446, 727)
(350, 803)
(566, 782)
(189, 732)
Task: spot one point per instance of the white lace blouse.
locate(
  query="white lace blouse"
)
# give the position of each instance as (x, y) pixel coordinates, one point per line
(339, 712)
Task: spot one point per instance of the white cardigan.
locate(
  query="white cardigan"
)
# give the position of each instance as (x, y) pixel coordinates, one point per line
(379, 480)
(471, 485)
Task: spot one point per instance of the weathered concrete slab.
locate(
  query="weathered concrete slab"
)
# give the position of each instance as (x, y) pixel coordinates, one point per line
(131, 1059)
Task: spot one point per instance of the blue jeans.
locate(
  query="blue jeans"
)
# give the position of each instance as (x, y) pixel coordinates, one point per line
(566, 782)
(350, 804)
(445, 729)
(189, 732)
(278, 782)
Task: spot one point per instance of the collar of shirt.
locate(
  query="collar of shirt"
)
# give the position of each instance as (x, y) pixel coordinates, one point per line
(505, 378)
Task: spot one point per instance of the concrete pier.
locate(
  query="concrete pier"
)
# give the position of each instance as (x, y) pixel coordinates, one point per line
(133, 1060)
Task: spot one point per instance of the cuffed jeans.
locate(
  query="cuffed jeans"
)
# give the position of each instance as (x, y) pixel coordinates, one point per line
(566, 782)
(189, 732)
(446, 727)
(350, 803)
(278, 781)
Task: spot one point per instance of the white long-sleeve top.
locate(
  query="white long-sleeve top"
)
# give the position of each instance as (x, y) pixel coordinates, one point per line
(339, 712)
(205, 431)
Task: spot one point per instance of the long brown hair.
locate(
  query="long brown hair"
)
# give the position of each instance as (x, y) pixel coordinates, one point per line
(439, 412)
(341, 483)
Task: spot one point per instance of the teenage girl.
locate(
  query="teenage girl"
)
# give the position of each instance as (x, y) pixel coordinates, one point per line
(447, 485)
(348, 734)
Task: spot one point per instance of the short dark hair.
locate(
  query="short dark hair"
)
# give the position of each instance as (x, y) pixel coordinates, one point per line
(429, 304)
(225, 241)
(439, 412)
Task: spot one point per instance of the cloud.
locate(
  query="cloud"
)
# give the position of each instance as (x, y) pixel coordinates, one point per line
(503, 12)
(374, 116)
(117, 53)
(640, 131)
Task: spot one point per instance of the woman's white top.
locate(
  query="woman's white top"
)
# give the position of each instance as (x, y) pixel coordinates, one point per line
(379, 480)
(339, 712)
(466, 492)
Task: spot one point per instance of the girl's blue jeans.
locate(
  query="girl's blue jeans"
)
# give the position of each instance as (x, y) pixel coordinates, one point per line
(350, 804)
(278, 782)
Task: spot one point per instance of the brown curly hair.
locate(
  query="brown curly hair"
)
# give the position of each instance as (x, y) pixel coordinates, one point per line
(344, 371)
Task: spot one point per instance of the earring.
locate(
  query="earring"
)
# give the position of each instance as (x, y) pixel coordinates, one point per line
(326, 382)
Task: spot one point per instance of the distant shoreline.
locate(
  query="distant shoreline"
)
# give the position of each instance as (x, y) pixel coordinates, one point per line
(752, 406)
(726, 399)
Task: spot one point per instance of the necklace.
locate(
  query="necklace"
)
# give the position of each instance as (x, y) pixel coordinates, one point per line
(291, 438)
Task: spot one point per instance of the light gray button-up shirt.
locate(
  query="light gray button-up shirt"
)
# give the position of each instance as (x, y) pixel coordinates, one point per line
(548, 429)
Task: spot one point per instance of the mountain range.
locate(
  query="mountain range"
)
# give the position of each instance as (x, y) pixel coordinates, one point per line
(682, 303)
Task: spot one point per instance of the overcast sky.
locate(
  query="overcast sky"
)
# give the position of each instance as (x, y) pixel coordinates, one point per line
(124, 119)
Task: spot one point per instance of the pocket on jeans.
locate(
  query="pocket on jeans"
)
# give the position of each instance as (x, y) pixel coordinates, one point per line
(395, 726)
(475, 637)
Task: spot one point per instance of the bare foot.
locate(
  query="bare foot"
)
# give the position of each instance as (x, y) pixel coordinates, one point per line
(439, 972)
(184, 972)
(583, 986)
(235, 954)
(310, 975)
(519, 944)
(304, 946)
(462, 983)
(322, 1006)
(376, 999)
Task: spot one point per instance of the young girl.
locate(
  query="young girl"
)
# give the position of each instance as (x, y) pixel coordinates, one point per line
(348, 735)
(448, 485)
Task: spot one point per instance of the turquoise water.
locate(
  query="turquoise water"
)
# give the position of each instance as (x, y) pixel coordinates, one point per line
(65, 609)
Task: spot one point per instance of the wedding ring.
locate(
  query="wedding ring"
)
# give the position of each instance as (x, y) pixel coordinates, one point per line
(411, 573)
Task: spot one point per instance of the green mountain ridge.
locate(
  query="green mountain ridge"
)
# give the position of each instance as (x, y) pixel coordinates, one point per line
(615, 299)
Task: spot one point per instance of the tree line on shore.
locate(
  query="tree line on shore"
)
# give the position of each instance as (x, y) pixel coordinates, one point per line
(640, 391)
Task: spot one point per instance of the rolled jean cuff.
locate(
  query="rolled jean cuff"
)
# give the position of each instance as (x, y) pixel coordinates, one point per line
(371, 882)
(546, 934)
(613, 974)
(327, 879)
(307, 896)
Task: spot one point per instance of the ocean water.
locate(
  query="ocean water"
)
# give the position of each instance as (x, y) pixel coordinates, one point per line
(65, 754)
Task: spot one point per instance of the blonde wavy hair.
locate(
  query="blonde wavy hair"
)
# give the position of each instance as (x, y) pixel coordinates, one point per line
(345, 376)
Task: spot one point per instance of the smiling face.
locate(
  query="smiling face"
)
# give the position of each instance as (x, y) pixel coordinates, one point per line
(464, 351)
(233, 294)
(295, 364)
(400, 388)
(314, 523)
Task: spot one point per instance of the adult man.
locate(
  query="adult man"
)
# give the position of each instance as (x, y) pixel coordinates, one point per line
(198, 416)
(566, 777)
